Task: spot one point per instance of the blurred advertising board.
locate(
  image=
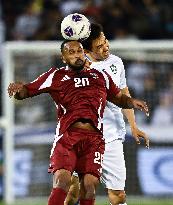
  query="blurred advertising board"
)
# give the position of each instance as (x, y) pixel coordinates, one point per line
(155, 170)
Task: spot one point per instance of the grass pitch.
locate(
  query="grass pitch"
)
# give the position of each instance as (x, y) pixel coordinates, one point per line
(104, 201)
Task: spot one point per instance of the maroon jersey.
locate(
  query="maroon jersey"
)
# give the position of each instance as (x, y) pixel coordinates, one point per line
(80, 94)
(80, 150)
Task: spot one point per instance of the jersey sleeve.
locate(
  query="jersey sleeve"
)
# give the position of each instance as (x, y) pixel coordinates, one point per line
(42, 84)
(123, 83)
(111, 87)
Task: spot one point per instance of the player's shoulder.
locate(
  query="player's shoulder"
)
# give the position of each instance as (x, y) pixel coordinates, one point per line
(96, 71)
(115, 58)
(111, 60)
(101, 74)
(53, 69)
(63, 68)
(57, 70)
(97, 74)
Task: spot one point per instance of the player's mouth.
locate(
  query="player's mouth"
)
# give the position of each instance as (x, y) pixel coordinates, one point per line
(106, 54)
(79, 62)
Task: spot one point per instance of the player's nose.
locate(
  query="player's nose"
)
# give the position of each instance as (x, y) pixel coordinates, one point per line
(77, 56)
(106, 48)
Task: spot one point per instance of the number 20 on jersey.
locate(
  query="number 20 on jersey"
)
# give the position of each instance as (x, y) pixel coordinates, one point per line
(81, 82)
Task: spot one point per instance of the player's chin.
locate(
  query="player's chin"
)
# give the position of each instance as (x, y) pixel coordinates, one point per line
(78, 67)
(106, 54)
(79, 62)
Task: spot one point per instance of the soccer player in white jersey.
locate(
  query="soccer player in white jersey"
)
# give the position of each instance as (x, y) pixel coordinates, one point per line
(114, 170)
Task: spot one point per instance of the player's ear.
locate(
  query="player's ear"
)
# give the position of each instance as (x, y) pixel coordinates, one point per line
(63, 59)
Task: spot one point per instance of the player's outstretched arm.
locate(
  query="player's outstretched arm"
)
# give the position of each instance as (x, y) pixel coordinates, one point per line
(130, 115)
(115, 96)
(126, 102)
(18, 90)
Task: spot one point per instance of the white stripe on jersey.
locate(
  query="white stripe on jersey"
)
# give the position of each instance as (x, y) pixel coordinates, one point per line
(57, 137)
(106, 78)
(56, 105)
(48, 81)
(99, 117)
(63, 109)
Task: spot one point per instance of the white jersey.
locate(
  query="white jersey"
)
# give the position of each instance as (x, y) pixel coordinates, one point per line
(113, 122)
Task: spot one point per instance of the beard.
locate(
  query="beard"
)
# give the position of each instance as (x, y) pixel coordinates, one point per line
(78, 66)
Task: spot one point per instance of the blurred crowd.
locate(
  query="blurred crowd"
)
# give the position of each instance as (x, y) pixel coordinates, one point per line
(152, 82)
(40, 19)
(121, 19)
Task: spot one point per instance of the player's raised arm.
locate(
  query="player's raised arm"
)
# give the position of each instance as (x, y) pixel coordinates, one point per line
(40, 85)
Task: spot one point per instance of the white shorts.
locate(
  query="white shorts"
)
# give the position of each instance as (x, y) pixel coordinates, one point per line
(114, 169)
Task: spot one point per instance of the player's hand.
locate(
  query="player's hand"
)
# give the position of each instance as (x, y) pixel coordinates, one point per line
(137, 134)
(14, 88)
(140, 105)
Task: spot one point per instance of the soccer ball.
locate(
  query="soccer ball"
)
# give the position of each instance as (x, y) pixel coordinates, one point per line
(75, 27)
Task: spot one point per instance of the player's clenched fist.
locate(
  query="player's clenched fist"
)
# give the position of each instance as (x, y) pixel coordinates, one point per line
(17, 90)
(13, 88)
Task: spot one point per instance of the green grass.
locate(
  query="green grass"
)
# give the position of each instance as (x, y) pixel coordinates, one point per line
(103, 201)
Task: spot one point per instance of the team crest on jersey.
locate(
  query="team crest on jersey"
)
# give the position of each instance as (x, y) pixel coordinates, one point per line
(94, 75)
(113, 68)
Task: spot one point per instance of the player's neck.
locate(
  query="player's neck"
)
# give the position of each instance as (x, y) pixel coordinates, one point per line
(75, 69)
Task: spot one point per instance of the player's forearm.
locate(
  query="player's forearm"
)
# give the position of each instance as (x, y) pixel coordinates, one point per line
(129, 113)
(22, 94)
(126, 102)
(123, 101)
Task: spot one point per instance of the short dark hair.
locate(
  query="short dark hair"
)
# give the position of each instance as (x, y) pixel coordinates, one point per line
(66, 41)
(96, 30)
(63, 43)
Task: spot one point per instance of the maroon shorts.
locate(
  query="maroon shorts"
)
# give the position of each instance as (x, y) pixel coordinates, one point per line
(79, 150)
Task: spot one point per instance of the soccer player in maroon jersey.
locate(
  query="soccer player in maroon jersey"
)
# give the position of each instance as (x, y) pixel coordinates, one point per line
(81, 95)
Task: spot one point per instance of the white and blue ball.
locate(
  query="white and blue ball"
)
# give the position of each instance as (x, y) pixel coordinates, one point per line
(75, 27)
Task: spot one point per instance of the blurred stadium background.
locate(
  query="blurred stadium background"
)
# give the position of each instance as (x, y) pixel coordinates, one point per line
(140, 32)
